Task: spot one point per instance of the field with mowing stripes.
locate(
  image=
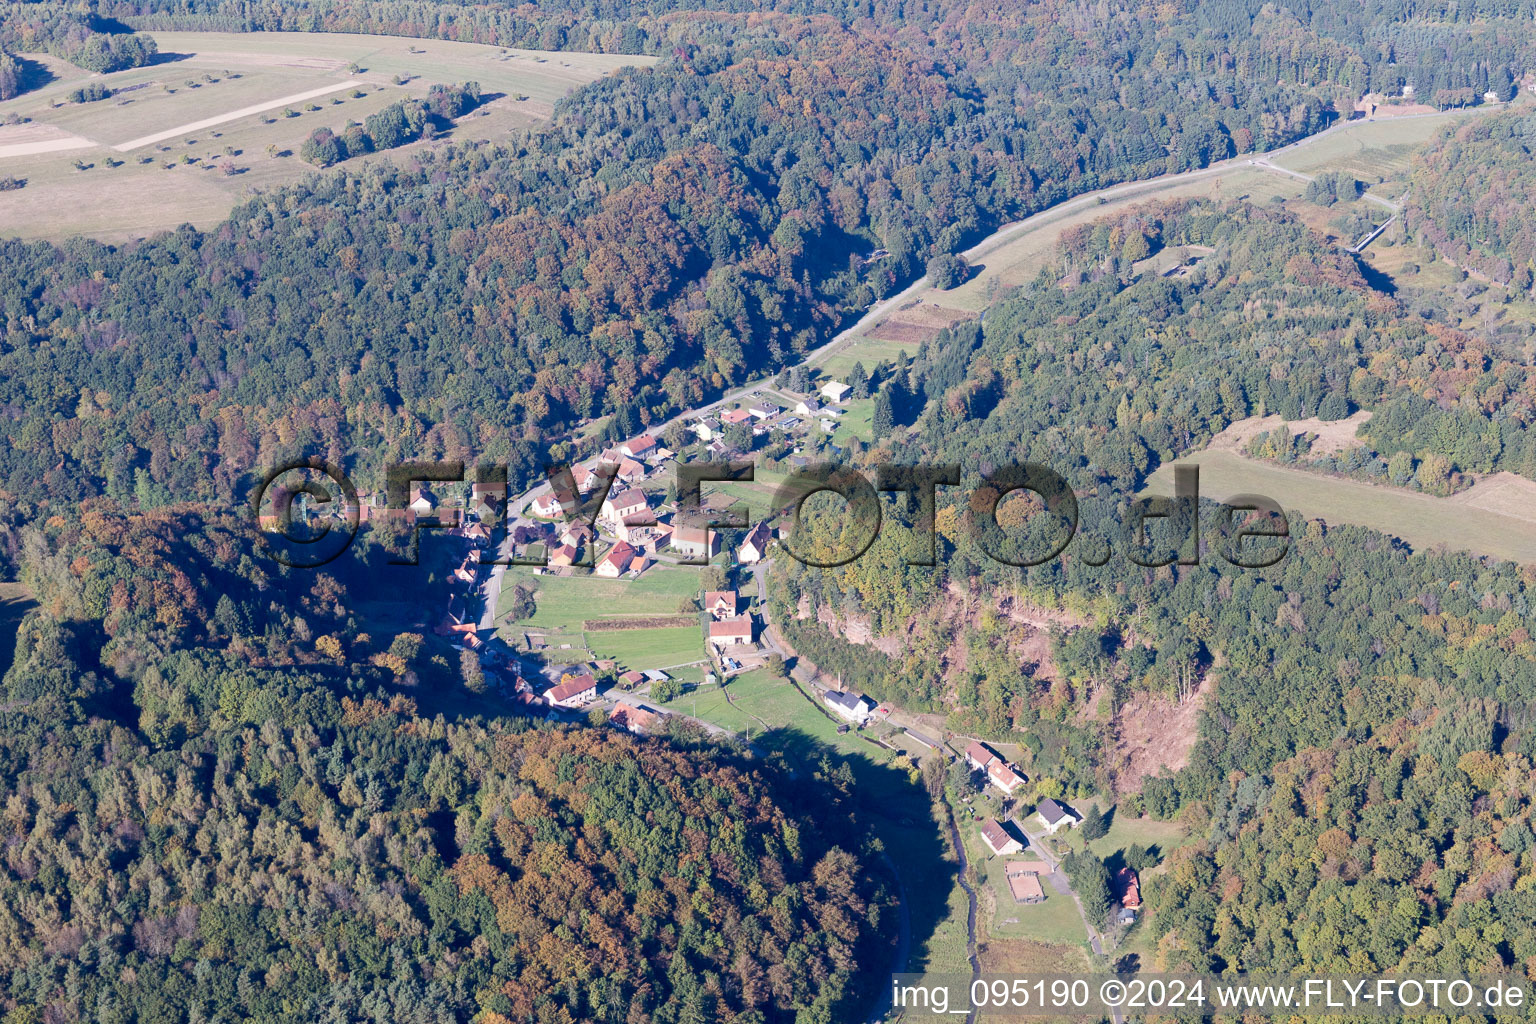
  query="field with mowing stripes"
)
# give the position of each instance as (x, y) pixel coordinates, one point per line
(1488, 519)
(223, 115)
(1377, 152)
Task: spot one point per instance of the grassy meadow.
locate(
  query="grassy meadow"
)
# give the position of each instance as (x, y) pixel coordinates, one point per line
(1420, 519)
(99, 191)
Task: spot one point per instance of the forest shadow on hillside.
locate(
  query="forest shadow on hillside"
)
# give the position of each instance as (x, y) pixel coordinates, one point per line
(34, 74)
(899, 813)
(15, 602)
(1377, 279)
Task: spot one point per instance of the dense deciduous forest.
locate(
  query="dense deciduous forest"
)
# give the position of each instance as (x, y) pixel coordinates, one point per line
(1487, 228)
(1360, 779)
(1103, 378)
(671, 232)
(74, 33)
(220, 804)
(1453, 51)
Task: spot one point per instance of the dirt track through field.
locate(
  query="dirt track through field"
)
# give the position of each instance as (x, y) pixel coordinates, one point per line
(255, 108)
(33, 139)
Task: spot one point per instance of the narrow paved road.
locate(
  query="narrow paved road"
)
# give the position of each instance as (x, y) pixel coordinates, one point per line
(1063, 885)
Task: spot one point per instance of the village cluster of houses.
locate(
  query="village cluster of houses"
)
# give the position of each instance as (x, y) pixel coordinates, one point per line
(459, 622)
(639, 531)
(765, 416)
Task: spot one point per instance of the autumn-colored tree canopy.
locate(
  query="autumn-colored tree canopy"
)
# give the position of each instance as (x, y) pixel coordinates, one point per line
(228, 819)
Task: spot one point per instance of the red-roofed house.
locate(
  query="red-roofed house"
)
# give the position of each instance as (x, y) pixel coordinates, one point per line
(639, 528)
(721, 604)
(1002, 775)
(638, 719)
(731, 632)
(575, 692)
(695, 541)
(618, 507)
(640, 448)
(616, 561)
(1128, 888)
(630, 471)
(978, 755)
(997, 838)
(736, 416)
(547, 506)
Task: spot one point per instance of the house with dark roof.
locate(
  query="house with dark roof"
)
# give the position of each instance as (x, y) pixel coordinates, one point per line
(755, 547)
(1054, 816)
(855, 707)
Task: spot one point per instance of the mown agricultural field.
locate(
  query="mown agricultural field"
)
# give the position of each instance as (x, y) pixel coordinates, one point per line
(222, 115)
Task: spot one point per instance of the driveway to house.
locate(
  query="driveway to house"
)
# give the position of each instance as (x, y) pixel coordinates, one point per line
(1063, 885)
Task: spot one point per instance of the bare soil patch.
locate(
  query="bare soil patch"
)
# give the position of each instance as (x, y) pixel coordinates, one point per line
(34, 139)
(918, 323)
(1151, 733)
(858, 631)
(1333, 436)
